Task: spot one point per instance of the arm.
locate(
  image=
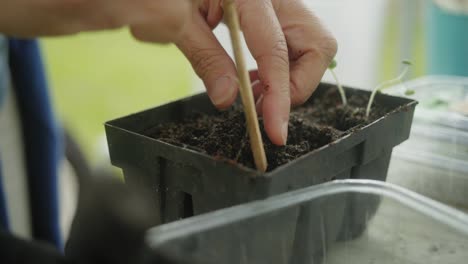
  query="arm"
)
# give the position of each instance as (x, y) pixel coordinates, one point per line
(149, 20)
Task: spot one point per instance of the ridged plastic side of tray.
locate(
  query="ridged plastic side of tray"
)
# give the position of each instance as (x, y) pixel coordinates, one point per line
(188, 183)
(407, 228)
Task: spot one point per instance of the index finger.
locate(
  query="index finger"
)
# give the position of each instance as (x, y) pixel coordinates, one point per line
(267, 44)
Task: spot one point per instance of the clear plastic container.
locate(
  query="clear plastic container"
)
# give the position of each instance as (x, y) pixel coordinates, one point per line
(434, 176)
(443, 100)
(442, 141)
(434, 161)
(406, 228)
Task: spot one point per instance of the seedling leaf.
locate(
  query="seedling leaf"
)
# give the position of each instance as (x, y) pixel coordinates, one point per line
(407, 62)
(387, 84)
(331, 68)
(409, 92)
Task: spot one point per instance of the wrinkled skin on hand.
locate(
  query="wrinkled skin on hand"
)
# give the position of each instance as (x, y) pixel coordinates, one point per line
(291, 47)
(292, 50)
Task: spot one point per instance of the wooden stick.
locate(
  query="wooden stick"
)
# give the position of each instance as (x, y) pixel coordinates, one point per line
(232, 20)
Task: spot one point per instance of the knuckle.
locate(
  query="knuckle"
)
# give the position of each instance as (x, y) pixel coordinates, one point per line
(280, 48)
(205, 61)
(299, 95)
(138, 34)
(175, 17)
(324, 50)
(163, 29)
(211, 11)
(249, 7)
(329, 48)
(169, 23)
(172, 26)
(278, 54)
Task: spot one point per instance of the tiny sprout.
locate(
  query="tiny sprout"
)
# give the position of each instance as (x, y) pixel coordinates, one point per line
(409, 92)
(331, 68)
(332, 65)
(407, 62)
(387, 84)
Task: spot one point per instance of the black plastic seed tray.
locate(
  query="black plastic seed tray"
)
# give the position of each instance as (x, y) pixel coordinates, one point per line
(186, 182)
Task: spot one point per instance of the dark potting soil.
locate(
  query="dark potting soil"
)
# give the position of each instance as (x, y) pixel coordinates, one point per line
(319, 122)
(328, 110)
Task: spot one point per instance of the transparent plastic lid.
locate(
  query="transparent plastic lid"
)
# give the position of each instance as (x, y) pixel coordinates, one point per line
(351, 221)
(434, 161)
(431, 174)
(435, 145)
(443, 100)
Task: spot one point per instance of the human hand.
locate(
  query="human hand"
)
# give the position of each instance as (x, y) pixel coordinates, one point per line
(292, 50)
(149, 20)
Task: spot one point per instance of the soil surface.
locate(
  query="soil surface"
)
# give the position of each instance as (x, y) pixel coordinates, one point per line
(319, 122)
(328, 110)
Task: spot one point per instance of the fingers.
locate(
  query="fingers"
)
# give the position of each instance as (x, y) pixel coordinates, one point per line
(311, 49)
(256, 84)
(212, 12)
(210, 61)
(267, 44)
(290, 46)
(164, 21)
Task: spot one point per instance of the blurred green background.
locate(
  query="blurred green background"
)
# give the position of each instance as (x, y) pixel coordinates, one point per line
(96, 77)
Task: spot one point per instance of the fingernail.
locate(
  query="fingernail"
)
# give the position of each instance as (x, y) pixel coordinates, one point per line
(223, 91)
(284, 132)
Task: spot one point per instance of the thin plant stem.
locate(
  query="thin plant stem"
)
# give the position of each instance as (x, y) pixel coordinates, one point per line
(385, 85)
(340, 87)
(244, 139)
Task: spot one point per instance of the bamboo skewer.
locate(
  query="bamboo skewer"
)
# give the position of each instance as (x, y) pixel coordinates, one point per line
(232, 21)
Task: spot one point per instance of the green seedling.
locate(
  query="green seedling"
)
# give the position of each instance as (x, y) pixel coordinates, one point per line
(331, 68)
(388, 84)
(409, 92)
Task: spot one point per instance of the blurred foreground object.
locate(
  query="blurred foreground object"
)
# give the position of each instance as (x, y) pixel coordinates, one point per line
(110, 224)
(303, 227)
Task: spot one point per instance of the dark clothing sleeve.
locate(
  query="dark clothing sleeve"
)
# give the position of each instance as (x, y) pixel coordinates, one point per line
(15, 250)
(41, 136)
